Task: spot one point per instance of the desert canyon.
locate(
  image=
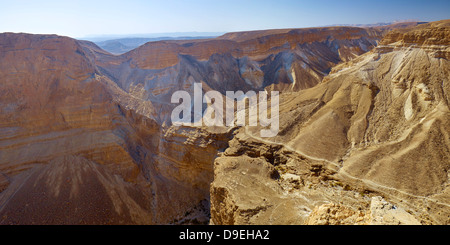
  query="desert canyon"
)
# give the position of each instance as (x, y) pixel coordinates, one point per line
(86, 136)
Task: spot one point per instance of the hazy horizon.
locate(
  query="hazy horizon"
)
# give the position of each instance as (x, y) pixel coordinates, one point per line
(84, 19)
(107, 37)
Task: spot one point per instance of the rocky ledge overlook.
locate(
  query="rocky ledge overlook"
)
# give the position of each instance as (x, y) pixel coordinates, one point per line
(368, 145)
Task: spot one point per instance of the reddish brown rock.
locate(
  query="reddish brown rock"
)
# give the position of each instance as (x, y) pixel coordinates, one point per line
(61, 117)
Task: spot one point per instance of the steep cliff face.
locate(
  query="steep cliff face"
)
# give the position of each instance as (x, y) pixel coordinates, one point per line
(282, 60)
(73, 142)
(375, 126)
(53, 107)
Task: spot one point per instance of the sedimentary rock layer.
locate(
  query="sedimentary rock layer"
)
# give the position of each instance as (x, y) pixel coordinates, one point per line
(375, 126)
(86, 133)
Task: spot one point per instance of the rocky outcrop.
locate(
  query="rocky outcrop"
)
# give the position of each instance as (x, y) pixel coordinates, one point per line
(336, 214)
(379, 212)
(433, 33)
(375, 126)
(257, 182)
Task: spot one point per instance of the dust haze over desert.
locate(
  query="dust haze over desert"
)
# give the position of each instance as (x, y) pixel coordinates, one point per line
(357, 106)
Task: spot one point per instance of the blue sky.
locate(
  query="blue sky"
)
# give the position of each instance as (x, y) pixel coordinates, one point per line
(90, 17)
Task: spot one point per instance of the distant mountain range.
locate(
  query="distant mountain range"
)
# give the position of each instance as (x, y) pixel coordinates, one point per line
(123, 45)
(119, 44)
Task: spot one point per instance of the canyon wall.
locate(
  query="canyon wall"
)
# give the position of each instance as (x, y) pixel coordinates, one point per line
(85, 136)
(72, 142)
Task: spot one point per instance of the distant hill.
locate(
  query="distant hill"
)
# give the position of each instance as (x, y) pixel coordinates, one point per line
(391, 25)
(123, 45)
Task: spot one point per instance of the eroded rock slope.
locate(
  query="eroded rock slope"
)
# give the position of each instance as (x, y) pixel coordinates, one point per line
(377, 126)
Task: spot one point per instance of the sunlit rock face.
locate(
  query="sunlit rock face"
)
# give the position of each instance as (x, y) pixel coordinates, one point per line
(86, 138)
(376, 126)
